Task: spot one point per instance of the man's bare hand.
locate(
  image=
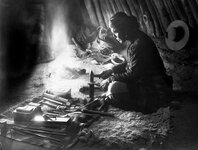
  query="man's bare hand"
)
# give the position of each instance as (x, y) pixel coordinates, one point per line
(105, 74)
(104, 84)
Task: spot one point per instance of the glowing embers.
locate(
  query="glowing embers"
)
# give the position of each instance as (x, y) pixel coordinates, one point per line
(39, 118)
(45, 120)
(65, 73)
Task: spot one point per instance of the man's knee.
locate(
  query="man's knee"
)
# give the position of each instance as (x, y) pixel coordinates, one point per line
(117, 87)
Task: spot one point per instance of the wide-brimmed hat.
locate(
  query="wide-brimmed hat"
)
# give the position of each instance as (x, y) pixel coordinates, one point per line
(177, 35)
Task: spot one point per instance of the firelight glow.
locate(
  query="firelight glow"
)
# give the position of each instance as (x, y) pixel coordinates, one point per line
(59, 39)
(39, 118)
(65, 57)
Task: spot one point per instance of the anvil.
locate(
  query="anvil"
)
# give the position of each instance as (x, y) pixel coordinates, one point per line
(91, 84)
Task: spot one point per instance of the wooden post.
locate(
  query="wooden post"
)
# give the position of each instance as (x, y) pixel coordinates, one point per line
(126, 7)
(168, 10)
(139, 15)
(91, 12)
(109, 8)
(117, 3)
(194, 9)
(178, 9)
(158, 17)
(99, 13)
(158, 30)
(114, 7)
(131, 7)
(163, 14)
(191, 20)
(104, 12)
(148, 20)
(172, 10)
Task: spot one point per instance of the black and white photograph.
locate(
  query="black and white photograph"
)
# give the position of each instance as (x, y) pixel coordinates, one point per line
(98, 74)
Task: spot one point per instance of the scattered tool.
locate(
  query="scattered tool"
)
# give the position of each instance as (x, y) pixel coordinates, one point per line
(52, 101)
(54, 106)
(56, 99)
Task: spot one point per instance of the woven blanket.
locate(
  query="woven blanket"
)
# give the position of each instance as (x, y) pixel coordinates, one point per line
(131, 130)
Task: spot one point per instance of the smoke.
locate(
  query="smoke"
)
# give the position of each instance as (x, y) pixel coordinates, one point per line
(58, 35)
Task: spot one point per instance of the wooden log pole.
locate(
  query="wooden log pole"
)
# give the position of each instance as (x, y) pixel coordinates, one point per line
(181, 8)
(114, 7)
(194, 9)
(148, 20)
(131, 7)
(163, 14)
(158, 17)
(158, 30)
(191, 20)
(139, 15)
(99, 13)
(172, 10)
(104, 11)
(109, 8)
(178, 9)
(91, 12)
(117, 3)
(126, 7)
(168, 10)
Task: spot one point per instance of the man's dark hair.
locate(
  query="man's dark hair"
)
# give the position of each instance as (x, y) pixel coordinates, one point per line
(122, 21)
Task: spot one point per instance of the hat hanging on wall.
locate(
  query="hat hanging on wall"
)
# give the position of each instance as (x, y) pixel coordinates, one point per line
(177, 35)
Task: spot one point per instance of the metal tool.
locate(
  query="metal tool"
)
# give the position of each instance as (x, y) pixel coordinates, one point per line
(52, 101)
(49, 104)
(57, 99)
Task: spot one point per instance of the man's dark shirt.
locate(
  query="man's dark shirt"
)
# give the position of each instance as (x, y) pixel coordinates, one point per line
(143, 61)
(144, 74)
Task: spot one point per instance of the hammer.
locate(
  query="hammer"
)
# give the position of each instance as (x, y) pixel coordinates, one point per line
(91, 84)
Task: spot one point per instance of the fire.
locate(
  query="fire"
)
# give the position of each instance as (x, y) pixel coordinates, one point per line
(65, 57)
(58, 39)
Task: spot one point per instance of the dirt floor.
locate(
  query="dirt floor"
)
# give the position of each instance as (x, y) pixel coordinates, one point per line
(58, 77)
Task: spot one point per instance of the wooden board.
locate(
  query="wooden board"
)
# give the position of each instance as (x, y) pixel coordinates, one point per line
(9, 144)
